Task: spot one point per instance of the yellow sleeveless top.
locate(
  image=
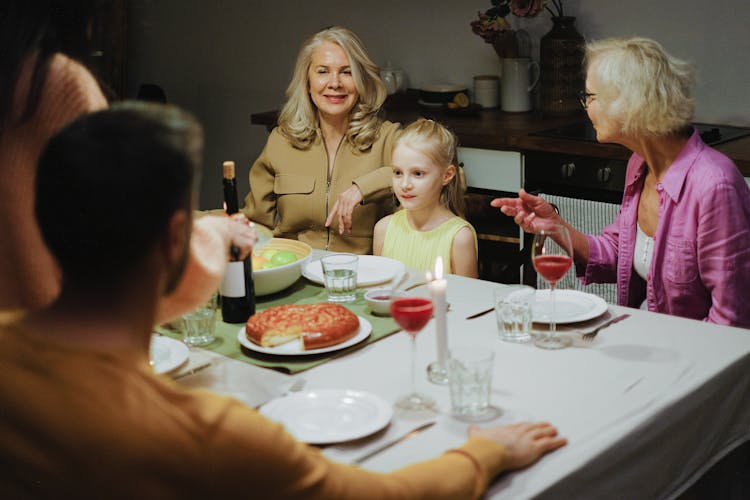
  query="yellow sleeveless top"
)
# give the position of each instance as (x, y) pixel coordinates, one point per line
(419, 249)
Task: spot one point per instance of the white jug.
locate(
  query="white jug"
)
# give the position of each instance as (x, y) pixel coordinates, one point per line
(393, 78)
(517, 84)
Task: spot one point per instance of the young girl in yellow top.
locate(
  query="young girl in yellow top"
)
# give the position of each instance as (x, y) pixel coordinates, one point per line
(430, 189)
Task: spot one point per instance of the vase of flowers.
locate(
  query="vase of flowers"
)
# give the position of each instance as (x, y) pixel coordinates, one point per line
(560, 50)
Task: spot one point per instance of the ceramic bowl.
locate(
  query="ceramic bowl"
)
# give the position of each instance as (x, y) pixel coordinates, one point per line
(275, 279)
(379, 300)
(439, 94)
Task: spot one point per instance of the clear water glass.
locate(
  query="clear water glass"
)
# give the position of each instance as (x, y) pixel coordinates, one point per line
(470, 371)
(513, 310)
(199, 325)
(340, 276)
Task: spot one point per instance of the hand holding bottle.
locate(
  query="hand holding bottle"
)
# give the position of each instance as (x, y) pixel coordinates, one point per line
(240, 235)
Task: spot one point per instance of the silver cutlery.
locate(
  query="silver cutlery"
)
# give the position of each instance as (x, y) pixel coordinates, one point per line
(481, 313)
(192, 371)
(589, 336)
(398, 279)
(389, 444)
(415, 285)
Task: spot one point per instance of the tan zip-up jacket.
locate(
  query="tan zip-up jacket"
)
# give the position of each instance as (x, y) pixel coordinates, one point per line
(290, 191)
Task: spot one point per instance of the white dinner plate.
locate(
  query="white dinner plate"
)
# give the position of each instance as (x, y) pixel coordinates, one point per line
(329, 415)
(371, 270)
(570, 306)
(294, 348)
(166, 353)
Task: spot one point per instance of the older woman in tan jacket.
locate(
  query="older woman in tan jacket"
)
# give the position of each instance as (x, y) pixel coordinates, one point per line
(324, 176)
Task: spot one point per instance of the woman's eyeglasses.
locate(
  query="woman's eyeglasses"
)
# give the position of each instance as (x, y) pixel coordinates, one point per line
(585, 98)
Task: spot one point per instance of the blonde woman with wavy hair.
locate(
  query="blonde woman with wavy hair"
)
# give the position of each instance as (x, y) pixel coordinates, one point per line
(681, 242)
(326, 160)
(430, 186)
(298, 120)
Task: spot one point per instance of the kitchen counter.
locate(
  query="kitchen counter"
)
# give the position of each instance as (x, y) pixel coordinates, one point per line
(495, 129)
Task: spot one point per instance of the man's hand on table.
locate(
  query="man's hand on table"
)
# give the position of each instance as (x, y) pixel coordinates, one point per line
(524, 442)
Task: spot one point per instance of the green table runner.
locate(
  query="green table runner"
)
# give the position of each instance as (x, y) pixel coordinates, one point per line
(302, 292)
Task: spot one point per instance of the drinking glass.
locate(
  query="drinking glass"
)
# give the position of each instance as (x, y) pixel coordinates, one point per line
(412, 314)
(552, 256)
(199, 325)
(340, 276)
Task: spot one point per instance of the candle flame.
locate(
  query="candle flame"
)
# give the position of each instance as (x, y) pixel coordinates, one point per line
(439, 268)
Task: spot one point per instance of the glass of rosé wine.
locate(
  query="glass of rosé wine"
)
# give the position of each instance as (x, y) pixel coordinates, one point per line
(412, 314)
(552, 256)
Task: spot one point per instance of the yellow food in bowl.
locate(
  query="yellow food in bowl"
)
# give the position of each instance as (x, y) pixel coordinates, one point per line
(279, 275)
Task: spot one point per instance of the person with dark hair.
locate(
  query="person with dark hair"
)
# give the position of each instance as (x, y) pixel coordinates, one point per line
(81, 411)
(43, 86)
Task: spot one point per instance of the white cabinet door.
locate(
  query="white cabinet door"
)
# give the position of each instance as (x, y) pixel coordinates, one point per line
(490, 169)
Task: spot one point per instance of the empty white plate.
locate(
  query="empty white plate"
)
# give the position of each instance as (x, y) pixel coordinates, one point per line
(371, 270)
(166, 353)
(570, 306)
(329, 415)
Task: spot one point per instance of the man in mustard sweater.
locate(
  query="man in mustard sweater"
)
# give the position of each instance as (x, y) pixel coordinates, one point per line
(82, 414)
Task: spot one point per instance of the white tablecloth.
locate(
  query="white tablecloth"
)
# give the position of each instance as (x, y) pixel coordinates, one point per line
(647, 407)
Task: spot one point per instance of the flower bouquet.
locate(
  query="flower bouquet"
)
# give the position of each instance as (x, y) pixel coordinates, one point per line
(495, 29)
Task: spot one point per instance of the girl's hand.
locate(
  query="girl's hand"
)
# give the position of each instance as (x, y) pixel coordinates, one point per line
(344, 207)
(528, 211)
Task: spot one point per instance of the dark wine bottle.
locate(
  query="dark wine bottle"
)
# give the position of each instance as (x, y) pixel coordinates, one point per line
(237, 290)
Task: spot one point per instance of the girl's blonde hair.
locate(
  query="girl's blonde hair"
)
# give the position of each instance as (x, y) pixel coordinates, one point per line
(298, 119)
(439, 145)
(641, 85)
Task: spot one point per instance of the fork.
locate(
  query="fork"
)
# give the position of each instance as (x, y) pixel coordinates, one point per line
(589, 336)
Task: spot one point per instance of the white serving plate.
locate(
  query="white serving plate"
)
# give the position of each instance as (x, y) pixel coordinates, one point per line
(294, 348)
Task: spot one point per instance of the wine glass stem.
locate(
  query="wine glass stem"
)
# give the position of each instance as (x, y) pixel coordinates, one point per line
(413, 364)
(552, 325)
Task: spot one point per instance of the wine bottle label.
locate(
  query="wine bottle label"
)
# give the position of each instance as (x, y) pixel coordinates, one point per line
(233, 284)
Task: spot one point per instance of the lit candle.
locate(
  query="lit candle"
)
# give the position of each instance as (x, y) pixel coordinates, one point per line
(438, 288)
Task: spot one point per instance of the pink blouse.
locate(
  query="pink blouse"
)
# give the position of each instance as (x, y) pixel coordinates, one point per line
(701, 256)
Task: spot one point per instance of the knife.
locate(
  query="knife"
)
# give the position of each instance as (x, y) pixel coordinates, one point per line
(389, 444)
(481, 313)
(192, 371)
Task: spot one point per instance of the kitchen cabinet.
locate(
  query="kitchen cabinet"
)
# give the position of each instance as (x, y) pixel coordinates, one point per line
(489, 174)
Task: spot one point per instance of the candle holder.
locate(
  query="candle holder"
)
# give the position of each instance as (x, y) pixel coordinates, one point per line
(437, 373)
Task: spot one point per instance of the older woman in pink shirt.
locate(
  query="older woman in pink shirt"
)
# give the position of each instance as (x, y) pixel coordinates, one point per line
(681, 242)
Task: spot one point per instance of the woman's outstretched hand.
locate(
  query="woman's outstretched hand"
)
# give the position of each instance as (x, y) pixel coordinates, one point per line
(344, 207)
(528, 211)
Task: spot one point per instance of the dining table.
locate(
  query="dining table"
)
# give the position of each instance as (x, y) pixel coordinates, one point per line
(647, 406)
